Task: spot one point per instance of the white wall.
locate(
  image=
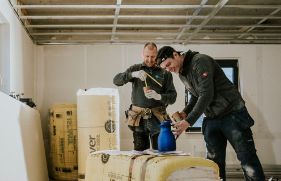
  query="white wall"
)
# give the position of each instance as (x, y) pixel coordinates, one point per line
(62, 70)
(19, 58)
(4, 55)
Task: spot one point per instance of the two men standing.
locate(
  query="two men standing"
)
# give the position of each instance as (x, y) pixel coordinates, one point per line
(227, 118)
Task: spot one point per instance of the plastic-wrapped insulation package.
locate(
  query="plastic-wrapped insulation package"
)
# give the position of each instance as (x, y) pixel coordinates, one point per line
(98, 123)
(63, 142)
(126, 166)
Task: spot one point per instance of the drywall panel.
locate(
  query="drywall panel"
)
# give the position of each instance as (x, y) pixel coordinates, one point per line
(22, 152)
(4, 56)
(20, 53)
(12, 153)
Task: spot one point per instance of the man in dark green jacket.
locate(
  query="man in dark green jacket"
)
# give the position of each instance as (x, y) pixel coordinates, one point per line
(148, 106)
(227, 118)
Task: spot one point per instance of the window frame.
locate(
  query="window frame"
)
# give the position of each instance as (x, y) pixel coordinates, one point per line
(224, 63)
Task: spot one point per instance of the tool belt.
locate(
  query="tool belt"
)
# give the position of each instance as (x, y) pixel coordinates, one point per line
(135, 114)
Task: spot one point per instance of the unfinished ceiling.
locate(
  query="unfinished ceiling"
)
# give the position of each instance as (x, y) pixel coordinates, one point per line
(161, 21)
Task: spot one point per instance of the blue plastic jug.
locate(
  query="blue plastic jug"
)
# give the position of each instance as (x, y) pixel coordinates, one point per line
(166, 139)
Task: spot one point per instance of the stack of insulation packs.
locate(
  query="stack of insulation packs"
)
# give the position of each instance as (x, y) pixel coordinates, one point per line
(63, 142)
(97, 122)
(131, 166)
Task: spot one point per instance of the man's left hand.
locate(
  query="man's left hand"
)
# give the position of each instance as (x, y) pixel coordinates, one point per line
(151, 94)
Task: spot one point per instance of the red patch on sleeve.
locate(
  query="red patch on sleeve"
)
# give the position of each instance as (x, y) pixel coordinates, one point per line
(205, 74)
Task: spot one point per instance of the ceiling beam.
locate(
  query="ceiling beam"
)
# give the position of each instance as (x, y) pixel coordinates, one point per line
(167, 41)
(101, 33)
(235, 41)
(144, 26)
(147, 33)
(253, 6)
(148, 17)
(180, 6)
(109, 6)
(109, 17)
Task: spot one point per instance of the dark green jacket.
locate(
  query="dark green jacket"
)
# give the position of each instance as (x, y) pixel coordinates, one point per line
(212, 93)
(167, 91)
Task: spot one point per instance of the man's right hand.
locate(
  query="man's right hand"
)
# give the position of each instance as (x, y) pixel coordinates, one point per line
(178, 116)
(140, 75)
(180, 126)
(183, 115)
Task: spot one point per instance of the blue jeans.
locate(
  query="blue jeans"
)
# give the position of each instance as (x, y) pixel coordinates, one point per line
(235, 128)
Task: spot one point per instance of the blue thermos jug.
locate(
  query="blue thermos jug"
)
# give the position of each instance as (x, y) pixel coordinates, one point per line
(166, 139)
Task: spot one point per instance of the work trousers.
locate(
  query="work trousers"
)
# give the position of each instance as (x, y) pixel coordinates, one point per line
(235, 128)
(147, 131)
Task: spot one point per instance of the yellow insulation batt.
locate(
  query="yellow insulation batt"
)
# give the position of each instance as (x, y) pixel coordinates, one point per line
(63, 142)
(98, 123)
(125, 166)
